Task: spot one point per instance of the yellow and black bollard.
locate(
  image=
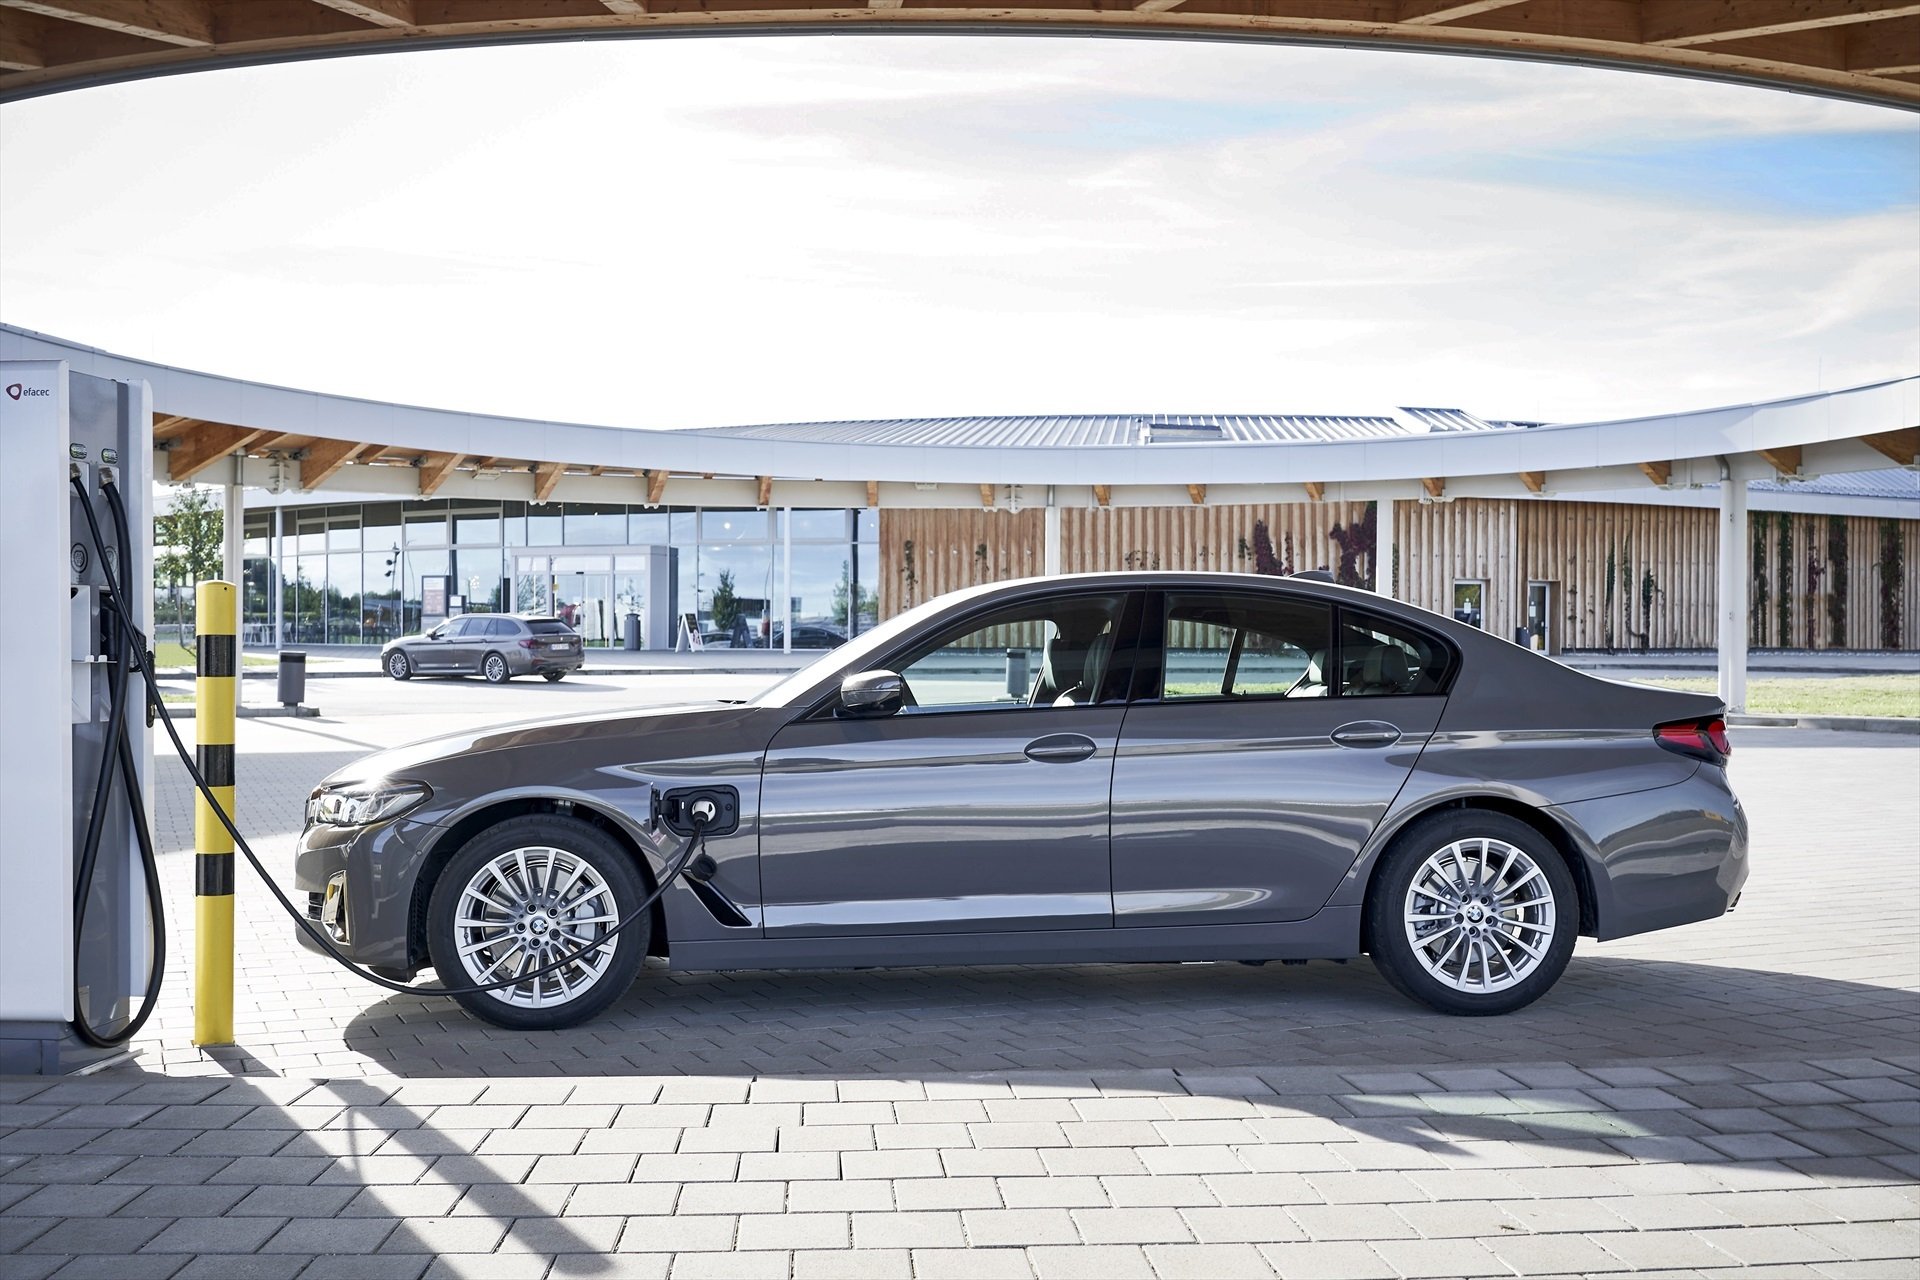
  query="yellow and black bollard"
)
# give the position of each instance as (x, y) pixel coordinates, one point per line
(216, 697)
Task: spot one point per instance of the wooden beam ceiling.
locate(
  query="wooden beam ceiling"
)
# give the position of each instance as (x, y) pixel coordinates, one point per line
(1786, 461)
(1316, 491)
(1854, 48)
(545, 476)
(873, 493)
(1436, 486)
(203, 444)
(324, 457)
(434, 470)
(1103, 494)
(1197, 494)
(1658, 472)
(986, 495)
(766, 491)
(656, 485)
(1901, 446)
(1536, 481)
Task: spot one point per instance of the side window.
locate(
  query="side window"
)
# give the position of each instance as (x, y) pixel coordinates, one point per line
(463, 629)
(502, 628)
(1231, 646)
(1380, 658)
(1044, 653)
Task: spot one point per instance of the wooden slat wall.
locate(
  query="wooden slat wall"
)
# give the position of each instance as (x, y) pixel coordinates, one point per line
(1507, 543)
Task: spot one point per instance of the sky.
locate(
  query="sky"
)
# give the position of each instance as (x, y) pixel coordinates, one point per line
(686, 233)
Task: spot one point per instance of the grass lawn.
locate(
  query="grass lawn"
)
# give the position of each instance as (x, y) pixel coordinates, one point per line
(1880, 695)
(171, 653)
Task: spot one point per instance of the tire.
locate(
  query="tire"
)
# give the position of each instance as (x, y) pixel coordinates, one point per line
(1500, 945)
(554, 677)
(494, 667)
(398, 666)
(603, 886)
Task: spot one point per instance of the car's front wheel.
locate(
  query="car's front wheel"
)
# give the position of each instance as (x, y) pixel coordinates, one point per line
(528, 892)
(494, 668)
(1473, 913)
(398, 666)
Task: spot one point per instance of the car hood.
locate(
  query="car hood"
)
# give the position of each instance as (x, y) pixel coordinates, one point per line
(653, 733)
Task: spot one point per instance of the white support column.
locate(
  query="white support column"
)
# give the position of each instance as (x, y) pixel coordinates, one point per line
(1052, 560)
(233, 528)
(1732, 602)
(279, 586)
(1383, 548)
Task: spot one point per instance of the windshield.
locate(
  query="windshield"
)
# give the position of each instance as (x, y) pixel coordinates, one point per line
(852, 656)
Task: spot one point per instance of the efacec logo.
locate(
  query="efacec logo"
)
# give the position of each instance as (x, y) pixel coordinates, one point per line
(16, 390)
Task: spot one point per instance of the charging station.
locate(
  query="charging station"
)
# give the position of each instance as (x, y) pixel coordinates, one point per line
(70, 951)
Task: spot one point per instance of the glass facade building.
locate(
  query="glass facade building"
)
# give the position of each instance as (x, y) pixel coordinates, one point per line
(359, 573)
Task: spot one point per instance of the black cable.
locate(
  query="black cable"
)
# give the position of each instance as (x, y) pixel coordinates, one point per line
(117, 750)
(695, 844)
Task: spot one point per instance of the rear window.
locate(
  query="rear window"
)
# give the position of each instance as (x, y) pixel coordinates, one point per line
(1381, 657)
(549, 627)
(502, 627)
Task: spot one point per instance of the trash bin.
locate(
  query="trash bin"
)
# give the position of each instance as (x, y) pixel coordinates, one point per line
(630, 632)
(293, 677)
(1017, 673)
(1521, 638)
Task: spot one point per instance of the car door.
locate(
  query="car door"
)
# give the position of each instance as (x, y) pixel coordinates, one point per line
(1264, 754)
(981, 805)
(465, 641)
(429, 652)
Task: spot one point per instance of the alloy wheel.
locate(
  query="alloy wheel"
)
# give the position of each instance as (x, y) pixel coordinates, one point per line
(525, 909)
(1480, 915)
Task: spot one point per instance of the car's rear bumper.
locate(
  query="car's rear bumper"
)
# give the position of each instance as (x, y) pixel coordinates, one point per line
(538, 663)
(1655, 859)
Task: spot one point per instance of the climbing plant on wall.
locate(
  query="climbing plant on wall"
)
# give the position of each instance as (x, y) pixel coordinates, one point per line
(1837, 581)
(1758, 616)
(1355, 542)
(1606, 604)
(1893, 568)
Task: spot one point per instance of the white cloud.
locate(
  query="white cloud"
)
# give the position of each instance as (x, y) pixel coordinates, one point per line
(703, 232)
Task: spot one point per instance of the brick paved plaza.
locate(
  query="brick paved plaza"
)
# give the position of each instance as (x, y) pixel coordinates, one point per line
(1739, 1097)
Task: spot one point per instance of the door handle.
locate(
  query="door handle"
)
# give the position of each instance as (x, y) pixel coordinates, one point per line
(1366, 733)
(1060, 748)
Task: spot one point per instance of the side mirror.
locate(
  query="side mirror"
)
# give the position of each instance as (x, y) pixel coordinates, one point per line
(872, 693)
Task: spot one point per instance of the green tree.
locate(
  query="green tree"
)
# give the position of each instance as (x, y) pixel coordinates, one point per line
(843, 603)
(187, 547)
(726, 605)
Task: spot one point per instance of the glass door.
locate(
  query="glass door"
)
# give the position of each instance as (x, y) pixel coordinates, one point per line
(583, 596)
(1540, 616)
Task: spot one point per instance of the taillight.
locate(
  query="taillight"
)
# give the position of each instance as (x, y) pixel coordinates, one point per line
(1702, 739)
(529, 644)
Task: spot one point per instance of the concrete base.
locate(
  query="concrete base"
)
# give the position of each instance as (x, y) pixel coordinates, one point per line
(49, 1049)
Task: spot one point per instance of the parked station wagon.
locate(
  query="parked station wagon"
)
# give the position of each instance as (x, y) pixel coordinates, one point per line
(498, 646)
(1141, 767)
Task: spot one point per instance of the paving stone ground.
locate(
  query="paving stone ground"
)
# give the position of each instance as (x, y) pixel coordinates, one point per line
(1738, 1097)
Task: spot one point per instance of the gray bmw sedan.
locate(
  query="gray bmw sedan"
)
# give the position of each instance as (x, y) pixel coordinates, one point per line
(1088, 769)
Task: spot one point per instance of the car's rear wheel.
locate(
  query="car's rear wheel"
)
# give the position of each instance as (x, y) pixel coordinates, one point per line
(494, 667)
(528, 892)
(1473, 913)
(554, 677)
(398, 666)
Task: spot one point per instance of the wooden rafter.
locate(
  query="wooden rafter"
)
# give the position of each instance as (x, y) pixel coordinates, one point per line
(1436, 486)
(1658, 472)
(545, 476)
(324, 457)
(766, 491)
(185, 23)
(1536, 481)
(1433, 12)
(1786, 461)
(1157, 6)
(381, 13)
(656, 485)
(1684, 23)
(168, 425)
(435, 469)
(1901, 446)
(205, 444)
(1197, 494)
(986, 495)
(628, 7)
(873, 493)
(1316, 491)
(1103, 494)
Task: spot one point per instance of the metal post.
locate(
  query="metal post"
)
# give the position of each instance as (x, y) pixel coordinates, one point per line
(233, 524)
(1384, 546)
(1052, 535)
(279, 581)
(1732, 604)
(786, 580)
(215, 696)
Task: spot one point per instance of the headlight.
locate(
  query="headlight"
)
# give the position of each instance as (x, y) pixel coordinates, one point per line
(359, 804)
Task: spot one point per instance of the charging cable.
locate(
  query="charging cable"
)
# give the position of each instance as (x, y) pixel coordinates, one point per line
(702, 813)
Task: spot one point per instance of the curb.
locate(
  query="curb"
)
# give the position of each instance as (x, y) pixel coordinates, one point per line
(1857, 724)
